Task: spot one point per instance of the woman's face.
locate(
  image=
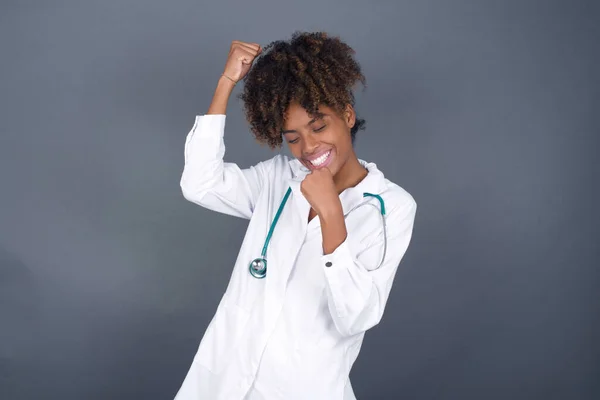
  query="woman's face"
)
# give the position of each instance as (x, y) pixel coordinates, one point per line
(321, 142)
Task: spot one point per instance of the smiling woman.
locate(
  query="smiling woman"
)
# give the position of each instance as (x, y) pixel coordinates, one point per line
(294, 331)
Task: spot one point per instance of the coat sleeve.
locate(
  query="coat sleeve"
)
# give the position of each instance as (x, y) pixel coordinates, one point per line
(212, 183)
(357, 290)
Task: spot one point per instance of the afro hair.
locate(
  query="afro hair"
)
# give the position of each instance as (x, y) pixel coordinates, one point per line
(311, 69)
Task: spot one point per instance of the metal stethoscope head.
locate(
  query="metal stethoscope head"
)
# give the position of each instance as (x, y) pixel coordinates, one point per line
(258, 266)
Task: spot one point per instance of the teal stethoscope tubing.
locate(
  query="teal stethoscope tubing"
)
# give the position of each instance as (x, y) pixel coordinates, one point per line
(258, 266)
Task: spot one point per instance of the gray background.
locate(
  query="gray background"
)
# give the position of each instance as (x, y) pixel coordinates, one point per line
(487, 112)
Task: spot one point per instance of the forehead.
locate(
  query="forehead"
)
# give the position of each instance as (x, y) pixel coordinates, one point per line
(296, 115)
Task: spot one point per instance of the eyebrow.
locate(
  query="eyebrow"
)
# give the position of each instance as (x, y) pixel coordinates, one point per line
(319, 116)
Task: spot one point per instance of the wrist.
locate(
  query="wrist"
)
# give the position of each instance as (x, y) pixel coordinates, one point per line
(333, 229)
(331, 211)
(226, 82)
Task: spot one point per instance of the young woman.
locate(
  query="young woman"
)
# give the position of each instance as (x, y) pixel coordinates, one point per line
(326, 230)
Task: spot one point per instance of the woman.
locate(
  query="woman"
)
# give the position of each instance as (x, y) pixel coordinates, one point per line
(292, 328)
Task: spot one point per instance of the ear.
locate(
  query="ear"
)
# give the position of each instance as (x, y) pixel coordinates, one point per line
(349, 116)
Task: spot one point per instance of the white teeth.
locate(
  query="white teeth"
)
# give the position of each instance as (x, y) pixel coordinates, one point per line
(318, 161)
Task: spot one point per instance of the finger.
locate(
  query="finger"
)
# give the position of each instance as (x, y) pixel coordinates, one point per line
(246, 58)
(252, 48)
(253, 53)
(255, 46)
(246, 43)
(237, 46)
(244, 55)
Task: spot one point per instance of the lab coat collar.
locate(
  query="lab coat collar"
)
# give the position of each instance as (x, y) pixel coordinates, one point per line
(373, 183)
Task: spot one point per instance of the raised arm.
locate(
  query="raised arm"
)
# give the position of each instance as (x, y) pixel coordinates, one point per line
(206, 179)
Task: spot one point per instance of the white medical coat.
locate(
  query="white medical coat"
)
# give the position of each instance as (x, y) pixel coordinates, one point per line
(296, 333)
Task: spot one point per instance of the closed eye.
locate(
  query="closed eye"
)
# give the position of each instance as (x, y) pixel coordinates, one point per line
(316, 130)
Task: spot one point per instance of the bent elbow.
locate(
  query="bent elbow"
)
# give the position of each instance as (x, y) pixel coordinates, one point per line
(193, 193)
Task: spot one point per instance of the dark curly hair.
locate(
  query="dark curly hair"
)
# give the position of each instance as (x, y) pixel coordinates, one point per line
(311, 69)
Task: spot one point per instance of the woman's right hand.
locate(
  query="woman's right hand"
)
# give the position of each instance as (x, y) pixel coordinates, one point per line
(239, 61)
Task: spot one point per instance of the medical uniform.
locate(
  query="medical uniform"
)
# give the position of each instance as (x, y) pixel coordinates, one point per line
(296, 333)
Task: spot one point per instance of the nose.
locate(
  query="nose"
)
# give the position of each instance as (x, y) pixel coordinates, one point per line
(310, 145)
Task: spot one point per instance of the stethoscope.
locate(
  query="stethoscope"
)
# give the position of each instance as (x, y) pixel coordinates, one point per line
(258, 266)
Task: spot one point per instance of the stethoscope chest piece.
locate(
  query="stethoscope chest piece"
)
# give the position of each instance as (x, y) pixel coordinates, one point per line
(258, 267)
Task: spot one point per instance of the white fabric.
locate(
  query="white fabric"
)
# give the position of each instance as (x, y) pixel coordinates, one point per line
(296, 333)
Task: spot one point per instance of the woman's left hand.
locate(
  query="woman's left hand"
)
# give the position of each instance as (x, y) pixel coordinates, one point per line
(319, 189)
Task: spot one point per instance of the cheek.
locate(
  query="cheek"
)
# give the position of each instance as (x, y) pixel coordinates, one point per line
(343, 144)
(295, 150)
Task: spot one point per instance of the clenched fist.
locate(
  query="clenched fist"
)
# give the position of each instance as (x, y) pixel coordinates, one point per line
(240, 58)
(319, 190)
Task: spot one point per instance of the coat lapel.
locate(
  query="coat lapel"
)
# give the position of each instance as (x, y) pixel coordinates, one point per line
(290, 240)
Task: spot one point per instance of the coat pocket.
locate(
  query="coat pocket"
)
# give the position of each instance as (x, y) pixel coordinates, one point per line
(222, 337)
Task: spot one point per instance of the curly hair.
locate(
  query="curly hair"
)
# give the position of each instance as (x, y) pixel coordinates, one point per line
(310, 69)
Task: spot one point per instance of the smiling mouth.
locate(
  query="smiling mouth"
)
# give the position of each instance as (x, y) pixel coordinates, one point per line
(320, 161)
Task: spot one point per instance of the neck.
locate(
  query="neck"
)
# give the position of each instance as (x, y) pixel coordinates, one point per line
(350, 175)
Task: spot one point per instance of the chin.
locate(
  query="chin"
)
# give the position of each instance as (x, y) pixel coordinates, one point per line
(332, 169)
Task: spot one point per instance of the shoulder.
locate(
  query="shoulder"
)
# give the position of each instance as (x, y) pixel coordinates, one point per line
(278, 166)
(394, 195)
(401, 210)
(282, 164)
(399, 203)
(398, 198)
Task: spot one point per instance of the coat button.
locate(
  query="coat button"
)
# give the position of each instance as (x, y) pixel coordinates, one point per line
(328, 264)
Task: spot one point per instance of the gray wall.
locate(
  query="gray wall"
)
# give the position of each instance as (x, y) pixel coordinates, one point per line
(487, 112)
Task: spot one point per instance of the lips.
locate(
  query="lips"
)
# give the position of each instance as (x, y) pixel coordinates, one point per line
(319, 160)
